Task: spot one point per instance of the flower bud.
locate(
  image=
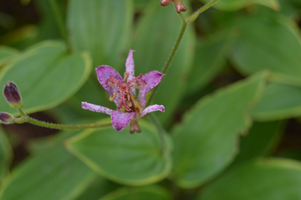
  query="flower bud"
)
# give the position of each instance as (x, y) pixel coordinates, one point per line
(12, 95)
(6, 118)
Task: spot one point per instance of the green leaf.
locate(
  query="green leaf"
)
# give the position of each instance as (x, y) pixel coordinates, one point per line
(139, 193)
(5, 155)
(7, 54)
(97, 189)
(46, 75)
(51, 174)
(279, 52)
(232, 5)
(103, 28)
(264, 136)
(206, 140)
(275, 179)
(131, 159)
(278, 101)
(209, 59)
(159, 26)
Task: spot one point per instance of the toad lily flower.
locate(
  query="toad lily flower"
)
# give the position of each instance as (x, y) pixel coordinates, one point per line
(123, 93)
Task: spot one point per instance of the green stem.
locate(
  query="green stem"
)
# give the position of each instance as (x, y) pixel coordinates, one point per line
(59, 126)
(171, 55)
(60, 23)
(192, 17)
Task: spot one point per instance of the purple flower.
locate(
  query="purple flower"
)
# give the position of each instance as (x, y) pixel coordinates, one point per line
(123, 93)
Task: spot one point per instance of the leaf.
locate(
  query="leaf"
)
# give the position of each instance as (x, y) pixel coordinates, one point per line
(161, 25)
(275, 179)
(206, 140)
(46, 75)
(131, 159)
(279, 52)
(261, 140)
(7, 54)
(209, 59)
(139, 193)
(278, 101)
(232, 5)
(5, 155)
(102, 28)
(97, 189)
(51, 174)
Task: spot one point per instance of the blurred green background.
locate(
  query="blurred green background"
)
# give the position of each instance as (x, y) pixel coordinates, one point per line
(231, 130)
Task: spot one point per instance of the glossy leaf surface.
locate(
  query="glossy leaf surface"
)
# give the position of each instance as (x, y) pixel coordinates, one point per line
(46, 75)
(275, 179)
(131, 159)
(204, 143)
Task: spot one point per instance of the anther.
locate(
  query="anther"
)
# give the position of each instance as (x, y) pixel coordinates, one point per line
(138, 86)
(112, 83)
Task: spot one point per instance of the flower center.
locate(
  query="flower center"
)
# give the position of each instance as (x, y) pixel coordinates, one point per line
(126, 98)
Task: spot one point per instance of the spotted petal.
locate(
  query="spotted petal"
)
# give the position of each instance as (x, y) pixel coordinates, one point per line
(103, 74)
(96, 108)
(152, 79)
(152, 108)
(121, 120)
(130, 68)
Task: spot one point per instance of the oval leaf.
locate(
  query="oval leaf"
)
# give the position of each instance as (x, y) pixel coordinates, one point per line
(7, 54)
(132, 159)
(279, 52)
(206, 141)
(46, 75)
(51, 174)
(139, 193)
(102, 28)
(275, 179)
(278, 101)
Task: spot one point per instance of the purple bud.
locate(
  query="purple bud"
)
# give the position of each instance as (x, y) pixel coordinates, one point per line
(12, 95)
(6, 118)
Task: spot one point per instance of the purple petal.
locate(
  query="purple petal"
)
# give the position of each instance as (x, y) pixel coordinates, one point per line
(103, 74)
(96, 108)
(152, 108)
(152, 79)
(130, 68)
(121, 120)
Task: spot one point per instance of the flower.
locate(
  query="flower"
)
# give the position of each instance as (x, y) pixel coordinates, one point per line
(123, 93)
(12, 95)
(178, 4)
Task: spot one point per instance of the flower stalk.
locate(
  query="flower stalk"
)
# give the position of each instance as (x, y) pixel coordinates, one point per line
(185, 21)
(59, 126)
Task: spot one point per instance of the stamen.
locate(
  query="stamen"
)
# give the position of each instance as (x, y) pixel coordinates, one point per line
(112, 83)
(129, 103)
(125, 76)
(138, 86)
(143, 81)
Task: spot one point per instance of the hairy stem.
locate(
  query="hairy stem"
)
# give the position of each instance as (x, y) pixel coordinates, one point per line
(59, 126)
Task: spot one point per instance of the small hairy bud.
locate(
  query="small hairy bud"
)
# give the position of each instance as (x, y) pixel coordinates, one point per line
(178, 4)
(12, 95)
(6, 118)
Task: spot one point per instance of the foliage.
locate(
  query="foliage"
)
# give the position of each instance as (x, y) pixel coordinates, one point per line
(230, 94)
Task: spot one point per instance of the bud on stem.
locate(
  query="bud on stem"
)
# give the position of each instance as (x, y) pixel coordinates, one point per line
(6, 118)
(12, 95)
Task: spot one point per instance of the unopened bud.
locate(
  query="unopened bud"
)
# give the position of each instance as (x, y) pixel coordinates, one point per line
(12, 95)
(6, 118)
(178, 4)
